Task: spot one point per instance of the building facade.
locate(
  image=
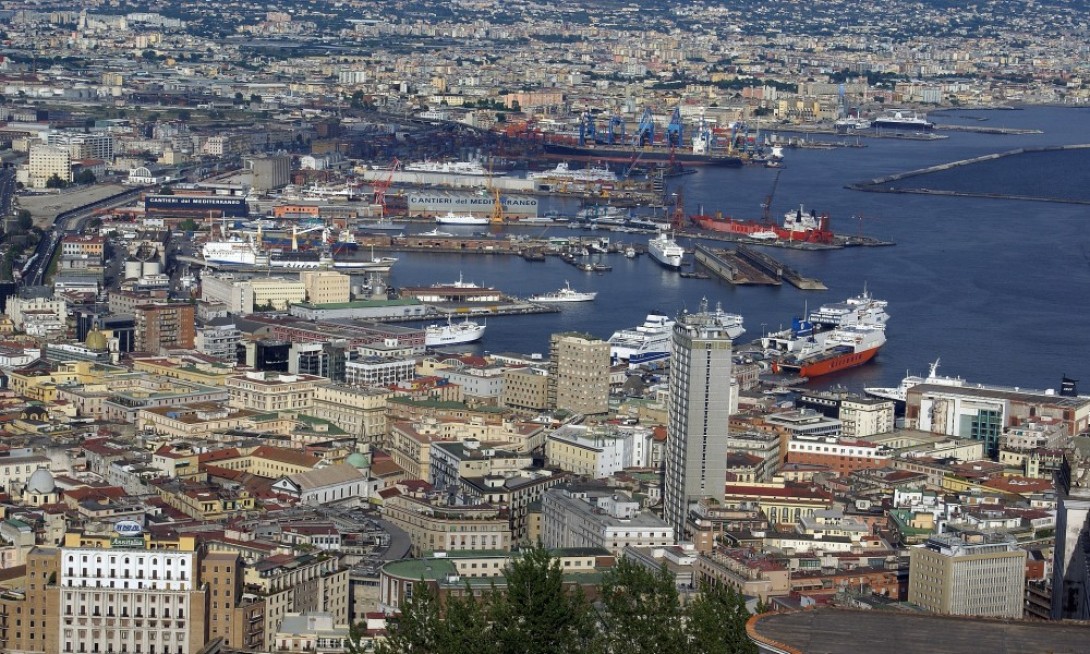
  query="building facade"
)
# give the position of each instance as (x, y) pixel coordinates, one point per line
(699, 415)
(948, 575)
(579, 373)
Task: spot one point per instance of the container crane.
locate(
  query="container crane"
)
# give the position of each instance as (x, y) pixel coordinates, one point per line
(616, 130)
(383, 185)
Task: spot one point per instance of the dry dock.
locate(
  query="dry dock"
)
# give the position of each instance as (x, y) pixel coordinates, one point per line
(746, 266)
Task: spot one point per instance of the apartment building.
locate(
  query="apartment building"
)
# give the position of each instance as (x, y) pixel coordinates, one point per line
(949, 575)
(162, 325)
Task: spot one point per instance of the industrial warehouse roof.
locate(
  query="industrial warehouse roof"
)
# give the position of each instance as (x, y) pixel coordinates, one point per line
(839, 631)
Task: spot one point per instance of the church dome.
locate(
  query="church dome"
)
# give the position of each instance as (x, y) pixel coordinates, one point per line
(41, 482)
(96, 341)
(356, 460)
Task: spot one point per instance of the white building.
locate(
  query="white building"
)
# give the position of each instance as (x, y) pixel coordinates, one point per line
(600, 518)
(124, 589)
(698, 415)
(334, 483)
(376, 371)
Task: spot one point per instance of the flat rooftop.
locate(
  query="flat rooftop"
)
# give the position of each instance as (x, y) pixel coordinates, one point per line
(841, 631)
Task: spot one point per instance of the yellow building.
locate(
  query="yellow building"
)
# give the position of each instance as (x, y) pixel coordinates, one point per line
(271, 391)
(37, 382)
(326, 286)
(184, 368)
(432, 525)
(276, 293)
(781, 502)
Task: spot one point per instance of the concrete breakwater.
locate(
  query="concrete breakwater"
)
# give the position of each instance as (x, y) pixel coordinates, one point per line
(886, 183)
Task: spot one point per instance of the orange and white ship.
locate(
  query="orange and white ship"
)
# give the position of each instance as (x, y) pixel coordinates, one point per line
(855, 331)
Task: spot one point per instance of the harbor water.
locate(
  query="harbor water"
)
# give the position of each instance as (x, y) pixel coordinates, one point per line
(998, 289)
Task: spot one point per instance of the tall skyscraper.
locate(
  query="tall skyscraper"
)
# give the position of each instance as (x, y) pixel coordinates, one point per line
(699, 414)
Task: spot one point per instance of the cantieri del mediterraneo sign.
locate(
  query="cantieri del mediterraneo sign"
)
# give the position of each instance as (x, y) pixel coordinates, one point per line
(129, 534)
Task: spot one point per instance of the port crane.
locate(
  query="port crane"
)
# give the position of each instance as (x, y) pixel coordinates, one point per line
(645, 133)
(296, 233)
(674, 135)
(383, 185)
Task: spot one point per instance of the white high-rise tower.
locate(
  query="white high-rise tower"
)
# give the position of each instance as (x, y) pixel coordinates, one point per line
(699, 413)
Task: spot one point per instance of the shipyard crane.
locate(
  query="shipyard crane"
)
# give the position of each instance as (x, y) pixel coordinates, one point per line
(296, 233)
(766, 206)
(616, 130)
(383, 185)
(587, 128)
(674, 134)
(645, 133)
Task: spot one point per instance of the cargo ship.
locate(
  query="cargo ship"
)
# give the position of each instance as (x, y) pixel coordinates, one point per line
(798, 225)
(647, 154)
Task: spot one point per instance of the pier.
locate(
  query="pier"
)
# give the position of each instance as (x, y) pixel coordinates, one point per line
(728, 266)
(773, 268)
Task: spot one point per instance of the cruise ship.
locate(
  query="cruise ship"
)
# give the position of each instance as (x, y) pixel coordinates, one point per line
(452, 218)
(587, 175)
(902, 119)
(899, 393)
(666, 251)
(453, 333)
(566, 294)
(473, 168)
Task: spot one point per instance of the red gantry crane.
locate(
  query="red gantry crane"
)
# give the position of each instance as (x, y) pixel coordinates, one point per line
(382, 185)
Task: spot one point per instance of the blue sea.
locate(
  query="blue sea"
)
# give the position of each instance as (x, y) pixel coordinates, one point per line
(998, 289)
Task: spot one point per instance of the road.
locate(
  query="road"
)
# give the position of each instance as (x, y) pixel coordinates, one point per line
(71, 222)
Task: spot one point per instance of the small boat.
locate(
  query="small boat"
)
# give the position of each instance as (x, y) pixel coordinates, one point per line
(435, 232)
(566, 294)
(630, 252)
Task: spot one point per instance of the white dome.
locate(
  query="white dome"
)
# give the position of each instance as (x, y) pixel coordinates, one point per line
(41, 482)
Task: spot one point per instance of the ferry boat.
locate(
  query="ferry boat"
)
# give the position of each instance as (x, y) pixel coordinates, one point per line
(812, 354)
(566, 294)
(644, 343)
(862, 309)
(452, 218)
(666, 251)
(234, 251)
(453, 333)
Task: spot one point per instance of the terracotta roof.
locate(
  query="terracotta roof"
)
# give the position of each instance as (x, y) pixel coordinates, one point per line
(285, 455)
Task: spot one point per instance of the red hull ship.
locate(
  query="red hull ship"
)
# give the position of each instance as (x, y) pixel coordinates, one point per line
(798, 227)
(837, 363)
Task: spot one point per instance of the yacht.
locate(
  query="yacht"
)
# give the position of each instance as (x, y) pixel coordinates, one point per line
(565, 294)
(461, 219)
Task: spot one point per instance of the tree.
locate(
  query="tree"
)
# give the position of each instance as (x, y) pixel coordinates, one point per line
(255, 98)
(538, 615)
(640, 610)
(415, 630)
(55, 182)
(26, 221)
(85, 176)
(717, 622)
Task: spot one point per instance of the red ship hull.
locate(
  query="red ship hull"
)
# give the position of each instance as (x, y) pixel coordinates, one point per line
(836, 363)
(731, 226)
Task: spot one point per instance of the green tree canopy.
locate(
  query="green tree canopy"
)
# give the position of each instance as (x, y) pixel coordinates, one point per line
(640, 610)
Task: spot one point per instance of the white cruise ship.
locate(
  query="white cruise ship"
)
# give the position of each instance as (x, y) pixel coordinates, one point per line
(473, 168)
(453, 333)
(452, 218)
(899, 393)
(587, 175)
(666, 251)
